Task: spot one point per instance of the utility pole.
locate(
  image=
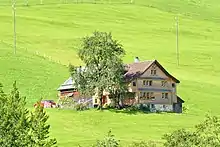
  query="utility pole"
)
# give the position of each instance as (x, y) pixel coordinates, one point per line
(177, 40)
(14, 15)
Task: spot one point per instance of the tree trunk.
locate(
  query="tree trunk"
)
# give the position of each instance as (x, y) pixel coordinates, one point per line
(100, 100)
(118, 100)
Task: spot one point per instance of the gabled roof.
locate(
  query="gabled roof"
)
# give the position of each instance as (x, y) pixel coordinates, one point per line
(68, 84)
(136, 69)
(133, 70)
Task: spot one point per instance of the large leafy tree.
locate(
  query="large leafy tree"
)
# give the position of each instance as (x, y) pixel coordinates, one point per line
(102, 56)
(19, 127)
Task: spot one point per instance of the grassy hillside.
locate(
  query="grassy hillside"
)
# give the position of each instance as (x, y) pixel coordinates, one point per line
(146, 29)
(36, 77)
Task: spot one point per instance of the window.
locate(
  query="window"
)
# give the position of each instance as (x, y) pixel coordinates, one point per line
(164, 107)
(163, 83)
(96, 100)
(148, 95)
(152, 106)
(164, 95)
(134, 83)
(144, 82)
(141, 94)
(149, 83)
(173, 85)
(153, 72)
(152, 97)
(144, 94)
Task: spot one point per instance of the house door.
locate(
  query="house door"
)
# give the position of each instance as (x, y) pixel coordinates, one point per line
(104, 99)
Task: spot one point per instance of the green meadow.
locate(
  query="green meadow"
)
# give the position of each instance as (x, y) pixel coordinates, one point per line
(49, 34)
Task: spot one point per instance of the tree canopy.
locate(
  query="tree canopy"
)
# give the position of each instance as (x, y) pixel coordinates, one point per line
(104, 69)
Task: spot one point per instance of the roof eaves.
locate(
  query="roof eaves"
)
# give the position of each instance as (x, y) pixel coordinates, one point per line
(166, 72)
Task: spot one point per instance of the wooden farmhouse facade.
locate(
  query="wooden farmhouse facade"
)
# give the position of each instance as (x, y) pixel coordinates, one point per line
(151, 84)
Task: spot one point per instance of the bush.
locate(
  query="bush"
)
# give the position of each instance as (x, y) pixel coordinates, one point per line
(105, 106)
(143, 144)
(108, 141)
(185, 109)
(81, 107)
(206, 134)
(139, 107)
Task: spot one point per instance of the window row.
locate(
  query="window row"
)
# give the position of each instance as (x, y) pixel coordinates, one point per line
(150, 83)
(150, 95)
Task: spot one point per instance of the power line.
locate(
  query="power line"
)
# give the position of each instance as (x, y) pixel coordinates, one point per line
(14, 21)
(177, 40)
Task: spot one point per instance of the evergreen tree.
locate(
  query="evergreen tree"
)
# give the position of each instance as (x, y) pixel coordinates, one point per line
(14, 124)
(18, 126)
(39, 129)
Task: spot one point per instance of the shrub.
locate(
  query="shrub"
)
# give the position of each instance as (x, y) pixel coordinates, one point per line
(185, 109)
(108, 141)
(81, 107)
(143, 144)
(105, 106)
(206, 134)
(139, 107)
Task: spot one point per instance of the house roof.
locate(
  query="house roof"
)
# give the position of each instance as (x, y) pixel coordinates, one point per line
(133, 70)
(136, 69)
(68, 84)
(179, 100)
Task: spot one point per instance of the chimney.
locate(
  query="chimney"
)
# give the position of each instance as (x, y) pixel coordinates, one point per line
(136, 59)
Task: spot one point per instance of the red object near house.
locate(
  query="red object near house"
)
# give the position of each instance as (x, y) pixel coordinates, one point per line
(46, 104)
(104, 99)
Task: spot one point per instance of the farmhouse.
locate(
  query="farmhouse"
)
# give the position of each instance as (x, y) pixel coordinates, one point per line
(151, 84)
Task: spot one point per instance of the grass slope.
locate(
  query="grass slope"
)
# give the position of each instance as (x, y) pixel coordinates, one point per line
(36, 77)
(146, 29)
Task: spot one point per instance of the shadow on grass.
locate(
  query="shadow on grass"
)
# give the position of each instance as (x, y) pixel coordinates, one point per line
(134, 112)
(127, 111)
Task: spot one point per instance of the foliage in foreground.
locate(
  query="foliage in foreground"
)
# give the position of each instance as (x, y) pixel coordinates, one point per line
(108, 141)
(143, 144)
(20, 127)
(206, 134)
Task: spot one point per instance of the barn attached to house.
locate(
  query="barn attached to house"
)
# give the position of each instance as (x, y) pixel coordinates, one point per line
(67, 89)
